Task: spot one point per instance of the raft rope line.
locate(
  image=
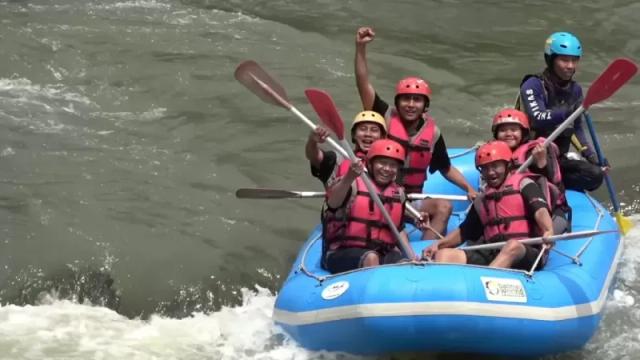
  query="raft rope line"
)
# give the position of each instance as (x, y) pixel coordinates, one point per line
(451, 308)
(513, 311)
(473, 148)
(321, 278)
(545, 248)
(574, 258)
(303, 269)
(596, 227)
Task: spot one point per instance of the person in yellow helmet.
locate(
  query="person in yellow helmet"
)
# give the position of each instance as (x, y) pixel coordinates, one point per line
(368, 126)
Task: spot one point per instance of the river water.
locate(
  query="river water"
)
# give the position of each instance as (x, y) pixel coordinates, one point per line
(123, 136)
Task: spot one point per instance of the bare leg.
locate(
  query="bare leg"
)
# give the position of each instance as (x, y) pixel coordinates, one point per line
(371, 259)
(439, 211)
(451, 256)
(510, 253)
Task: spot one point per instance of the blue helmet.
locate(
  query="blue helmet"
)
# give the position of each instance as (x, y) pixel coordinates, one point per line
(563, 43)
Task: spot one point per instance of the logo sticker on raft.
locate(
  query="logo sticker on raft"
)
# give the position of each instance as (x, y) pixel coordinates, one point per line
(497, 289)
(334, 290)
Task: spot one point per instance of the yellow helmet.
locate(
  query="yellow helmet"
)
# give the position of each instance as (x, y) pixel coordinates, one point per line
(370, 116)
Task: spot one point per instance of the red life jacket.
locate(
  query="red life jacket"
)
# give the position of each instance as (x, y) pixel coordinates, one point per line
(553, 167)
(419, 150)
(360, 223)
(502, 211)
(552, 185)
(343, 167)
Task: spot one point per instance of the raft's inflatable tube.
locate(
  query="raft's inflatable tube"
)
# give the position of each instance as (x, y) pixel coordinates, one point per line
(455, 308)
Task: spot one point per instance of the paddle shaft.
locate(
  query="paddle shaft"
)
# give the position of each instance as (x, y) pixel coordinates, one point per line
(598, 149)
(539, 240)
(565, 124)
(252, 193)
(264, 193)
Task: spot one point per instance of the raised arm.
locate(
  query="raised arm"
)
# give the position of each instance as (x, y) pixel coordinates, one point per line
(364, 36)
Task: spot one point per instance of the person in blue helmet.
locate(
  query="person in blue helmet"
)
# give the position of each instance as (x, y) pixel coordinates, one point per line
(550, 97)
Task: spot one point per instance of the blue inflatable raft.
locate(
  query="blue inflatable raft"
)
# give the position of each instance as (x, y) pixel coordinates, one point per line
(455, 308)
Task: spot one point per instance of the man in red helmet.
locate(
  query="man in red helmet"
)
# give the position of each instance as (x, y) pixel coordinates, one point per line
(355, 233)
(409, 125)
(511, 207)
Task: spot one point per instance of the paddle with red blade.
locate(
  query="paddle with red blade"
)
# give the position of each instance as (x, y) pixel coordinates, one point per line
(612, 78)
(324, 106)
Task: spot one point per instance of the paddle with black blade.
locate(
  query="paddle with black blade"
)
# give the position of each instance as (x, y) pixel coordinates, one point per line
(252, 193)
(624, 223)
(540, 240)
(328, 113)
(612, 78)
(263, 193)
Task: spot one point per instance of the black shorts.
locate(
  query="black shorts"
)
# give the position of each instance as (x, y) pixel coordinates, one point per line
(485, 257)
(345, 259)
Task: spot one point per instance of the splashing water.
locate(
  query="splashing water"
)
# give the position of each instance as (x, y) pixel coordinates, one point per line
(63, 329)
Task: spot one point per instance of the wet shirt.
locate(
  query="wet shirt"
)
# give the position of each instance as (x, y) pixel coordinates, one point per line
(440, 158)
(472, 229)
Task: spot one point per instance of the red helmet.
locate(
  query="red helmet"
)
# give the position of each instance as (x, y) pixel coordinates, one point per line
(387, 148)
(492, 151)
(510, 116)
(413, 85)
